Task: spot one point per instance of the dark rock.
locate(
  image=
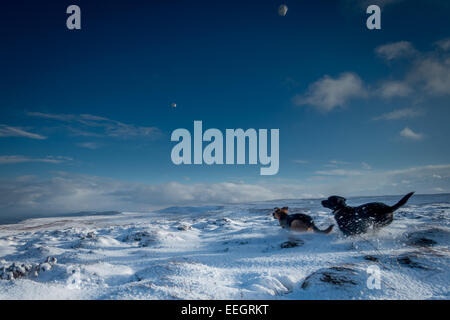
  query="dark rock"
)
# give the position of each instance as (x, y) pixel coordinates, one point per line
(144, 238)
(410, 261)
(371, 258)
(292, 244)
(335, 276)
(423, 242)
(428, 237)
(183, 227)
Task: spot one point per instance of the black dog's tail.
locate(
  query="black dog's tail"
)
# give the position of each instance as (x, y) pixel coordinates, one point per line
(326, 231)
(402, 201)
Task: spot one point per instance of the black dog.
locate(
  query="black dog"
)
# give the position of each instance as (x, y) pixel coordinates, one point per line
(356, 220)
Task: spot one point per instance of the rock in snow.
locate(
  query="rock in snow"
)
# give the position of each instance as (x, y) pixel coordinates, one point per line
(15, 270)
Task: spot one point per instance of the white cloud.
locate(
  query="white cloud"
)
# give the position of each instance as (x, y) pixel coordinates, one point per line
(431, 167)
(382, 182)
(89, 145)
(339, 172)
(396, 50)
(428, 72)
(406, 113)
(97, 126)
(7, 131)
(443, 44)
(59, 117)
(343, 172)
(328, 93)
(338, 162)
(22, 159)
(432, 74)
(409, 134)
(366, 166)
(392, 89)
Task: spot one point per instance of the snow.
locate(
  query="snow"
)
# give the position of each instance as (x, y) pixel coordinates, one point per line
(227, 252)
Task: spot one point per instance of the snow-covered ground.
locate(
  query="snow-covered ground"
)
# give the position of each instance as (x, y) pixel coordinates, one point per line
(227, 252)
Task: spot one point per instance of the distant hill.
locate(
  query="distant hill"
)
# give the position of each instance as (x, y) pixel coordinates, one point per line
(13, 219)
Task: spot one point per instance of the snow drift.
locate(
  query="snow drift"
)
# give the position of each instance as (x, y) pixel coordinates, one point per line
(226, 252)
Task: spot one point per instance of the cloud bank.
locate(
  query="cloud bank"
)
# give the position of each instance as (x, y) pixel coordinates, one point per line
(63, 192)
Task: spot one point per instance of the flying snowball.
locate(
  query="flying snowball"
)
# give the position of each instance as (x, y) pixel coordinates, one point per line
(282, 10)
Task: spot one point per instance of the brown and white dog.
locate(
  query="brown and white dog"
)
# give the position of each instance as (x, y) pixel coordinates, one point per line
(297, 222)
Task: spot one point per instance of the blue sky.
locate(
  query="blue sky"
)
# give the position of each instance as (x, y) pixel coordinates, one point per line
(86, 116)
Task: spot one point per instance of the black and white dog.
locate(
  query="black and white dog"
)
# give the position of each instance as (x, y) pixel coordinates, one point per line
(357, 220)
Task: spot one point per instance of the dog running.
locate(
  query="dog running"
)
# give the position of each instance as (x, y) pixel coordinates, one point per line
(357, 220)
(297, 222)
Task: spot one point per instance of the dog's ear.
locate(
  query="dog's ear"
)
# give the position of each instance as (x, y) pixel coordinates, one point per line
(285, 209)
(341, 201)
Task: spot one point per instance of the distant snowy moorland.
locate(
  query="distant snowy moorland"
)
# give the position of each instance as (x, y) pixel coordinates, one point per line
(227, 252)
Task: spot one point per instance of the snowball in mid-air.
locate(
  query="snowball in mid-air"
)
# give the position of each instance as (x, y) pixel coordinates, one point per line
(282, 10)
